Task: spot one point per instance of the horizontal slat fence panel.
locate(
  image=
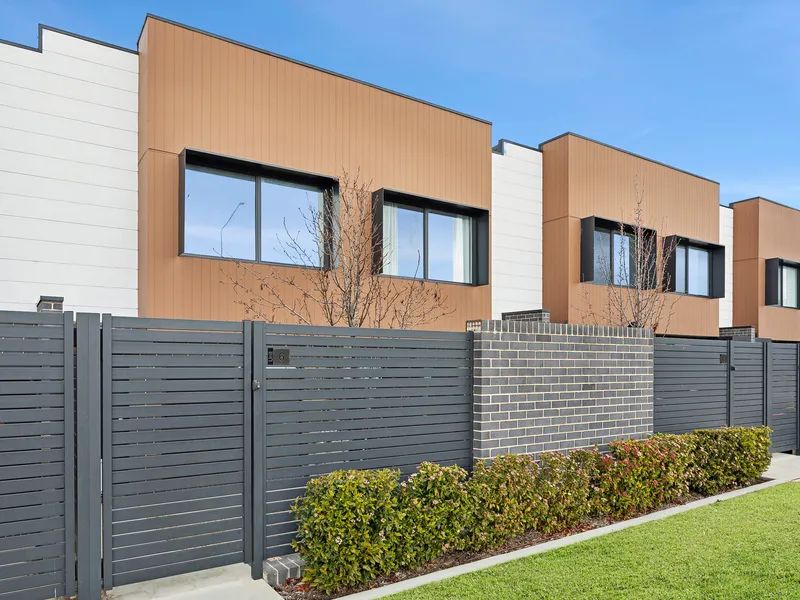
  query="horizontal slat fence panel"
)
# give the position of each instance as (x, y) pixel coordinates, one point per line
(748, 383)
(37, 493)
(359, 399)
(176, 397)
(690, 384)
(783, 400)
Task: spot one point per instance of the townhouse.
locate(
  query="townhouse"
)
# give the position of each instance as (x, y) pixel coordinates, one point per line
(136, 183)
(766, 263)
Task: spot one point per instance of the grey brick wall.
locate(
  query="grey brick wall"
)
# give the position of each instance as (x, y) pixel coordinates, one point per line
(546, 386)
(740, 334)
(541, 315)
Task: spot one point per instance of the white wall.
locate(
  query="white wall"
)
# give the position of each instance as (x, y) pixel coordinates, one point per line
(516, 228)
(726, 239)
(68, 175)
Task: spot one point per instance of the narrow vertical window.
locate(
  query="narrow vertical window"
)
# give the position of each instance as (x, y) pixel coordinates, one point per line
(680, 269)
(789, 286)
(403, 241)
(623, 262)
(602, 256)
(449, 248)
(698, 275)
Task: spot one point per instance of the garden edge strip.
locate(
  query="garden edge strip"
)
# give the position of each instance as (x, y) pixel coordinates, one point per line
(484, 563)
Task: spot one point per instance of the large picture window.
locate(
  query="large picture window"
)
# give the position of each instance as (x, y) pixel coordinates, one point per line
(609, 253)
(219, 214)
(261, 213)
(422, 243)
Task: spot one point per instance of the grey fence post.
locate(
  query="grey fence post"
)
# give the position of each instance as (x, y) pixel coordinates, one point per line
(105, 413)
(767, 382)
(797, 396)
(88, 446)
(731, 396)
(69, 452)
(247, 392)
(259, 452)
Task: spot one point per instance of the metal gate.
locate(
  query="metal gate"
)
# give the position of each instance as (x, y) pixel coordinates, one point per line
(176, 448)
(339, 398)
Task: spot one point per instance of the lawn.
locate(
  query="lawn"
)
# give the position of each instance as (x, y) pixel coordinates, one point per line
(748, 547)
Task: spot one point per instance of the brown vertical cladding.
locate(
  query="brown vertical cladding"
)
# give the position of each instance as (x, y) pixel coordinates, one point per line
(584, 178)
(200, 91)
(763, 229)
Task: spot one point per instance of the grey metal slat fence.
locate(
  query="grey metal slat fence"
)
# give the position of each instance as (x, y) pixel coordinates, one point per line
(176, 402)
(712, 383)
(355, 399)
(690, 384)
(37, 493)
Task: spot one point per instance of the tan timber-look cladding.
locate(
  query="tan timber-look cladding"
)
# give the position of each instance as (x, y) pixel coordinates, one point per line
(584, 178)
(763, 229)
(199, 91)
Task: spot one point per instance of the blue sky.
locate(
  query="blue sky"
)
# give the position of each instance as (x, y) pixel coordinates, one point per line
(711, 86)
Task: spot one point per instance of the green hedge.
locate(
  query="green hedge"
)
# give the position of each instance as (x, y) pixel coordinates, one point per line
(357, 525)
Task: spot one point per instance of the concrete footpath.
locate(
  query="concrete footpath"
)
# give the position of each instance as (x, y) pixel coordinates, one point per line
(234, 582)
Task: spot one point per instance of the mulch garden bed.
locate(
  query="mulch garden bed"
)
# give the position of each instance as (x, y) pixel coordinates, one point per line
(295, 589)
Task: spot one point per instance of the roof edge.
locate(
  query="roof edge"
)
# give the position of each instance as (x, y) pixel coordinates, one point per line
(588, 139)
(304, 64)
(78, 36)
(765, 200)
(499, 148)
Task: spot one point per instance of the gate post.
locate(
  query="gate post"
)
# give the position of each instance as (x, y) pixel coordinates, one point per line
(797, 398)
(88, 454)
(69, 452)
(767, 383)
(731, 410)
(247, 403)
(105, 428)
(259, 441)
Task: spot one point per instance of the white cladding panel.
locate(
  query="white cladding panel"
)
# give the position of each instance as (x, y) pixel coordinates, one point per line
(68, 175)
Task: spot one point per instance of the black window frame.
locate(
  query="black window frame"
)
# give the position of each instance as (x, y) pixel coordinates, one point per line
(480, 233)
(191, 157)
(716, 265)
(588, 227)
(773, 279)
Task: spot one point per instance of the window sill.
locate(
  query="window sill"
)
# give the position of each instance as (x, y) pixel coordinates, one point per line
(439, 281)
(250, 261)
(781, 306)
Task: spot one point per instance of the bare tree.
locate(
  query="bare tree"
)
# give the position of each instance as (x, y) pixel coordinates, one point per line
(636, 277)
(340, 281)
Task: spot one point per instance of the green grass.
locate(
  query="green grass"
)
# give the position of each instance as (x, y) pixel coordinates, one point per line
(748, 547)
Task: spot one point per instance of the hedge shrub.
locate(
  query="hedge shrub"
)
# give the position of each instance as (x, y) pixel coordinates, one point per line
(562, 488)
(436, 507)
(357, 525)
(640, 475)
(350, 529)
(729, 457)
(504, 500)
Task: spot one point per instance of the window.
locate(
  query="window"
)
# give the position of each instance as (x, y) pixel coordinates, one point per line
(789, 286)
(261, 214)
(219, 214)
(291, 216)
(614, 259)
(692, 270)
(427, 244)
